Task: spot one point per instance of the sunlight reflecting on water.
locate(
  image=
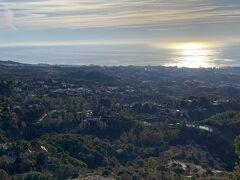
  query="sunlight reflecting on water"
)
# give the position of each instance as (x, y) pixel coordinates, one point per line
(193, 55)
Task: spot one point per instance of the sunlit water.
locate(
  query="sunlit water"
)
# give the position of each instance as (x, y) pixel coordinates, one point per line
(195, 58)
(112, 55)
(194, 55)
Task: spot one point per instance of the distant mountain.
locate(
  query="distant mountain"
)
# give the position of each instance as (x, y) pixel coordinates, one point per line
(12, 63)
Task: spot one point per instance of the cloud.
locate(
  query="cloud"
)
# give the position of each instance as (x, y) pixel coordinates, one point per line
(125, 13)
(8, 17)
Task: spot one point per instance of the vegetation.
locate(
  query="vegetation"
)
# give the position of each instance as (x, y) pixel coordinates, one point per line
(61, 122)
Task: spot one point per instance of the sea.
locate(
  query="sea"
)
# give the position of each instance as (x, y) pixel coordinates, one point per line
(122, 55)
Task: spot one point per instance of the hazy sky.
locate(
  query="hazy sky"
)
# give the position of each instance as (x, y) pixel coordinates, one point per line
(118, 21)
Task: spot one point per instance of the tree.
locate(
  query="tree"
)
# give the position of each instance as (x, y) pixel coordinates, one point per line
(237, 145)
(236, 173)
(32, 176)
(3, 175)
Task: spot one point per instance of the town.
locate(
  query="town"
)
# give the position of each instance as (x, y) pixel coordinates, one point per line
(118, 122)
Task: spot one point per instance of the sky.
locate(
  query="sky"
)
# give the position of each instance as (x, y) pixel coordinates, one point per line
(151, 22)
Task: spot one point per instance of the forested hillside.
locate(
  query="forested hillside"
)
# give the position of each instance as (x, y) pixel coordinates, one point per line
(76, 122)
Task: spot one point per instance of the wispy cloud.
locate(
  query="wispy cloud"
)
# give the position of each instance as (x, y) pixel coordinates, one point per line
(8, 18)
(114, 13)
